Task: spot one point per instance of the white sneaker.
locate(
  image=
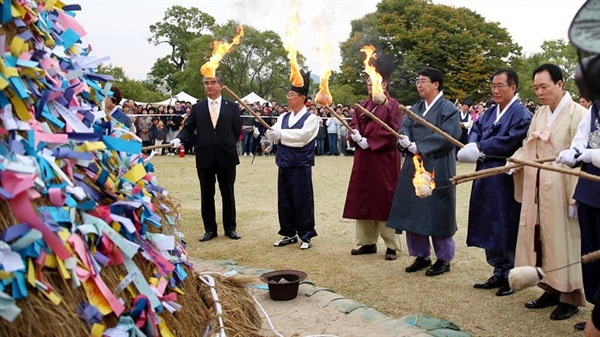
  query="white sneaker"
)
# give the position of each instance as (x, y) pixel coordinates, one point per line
(286, 241)
(305, 245)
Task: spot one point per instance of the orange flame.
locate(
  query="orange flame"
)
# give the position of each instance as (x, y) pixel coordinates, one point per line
(324, 96)
(423, 181)
(375, 77)
(220, 49)
(290, 46)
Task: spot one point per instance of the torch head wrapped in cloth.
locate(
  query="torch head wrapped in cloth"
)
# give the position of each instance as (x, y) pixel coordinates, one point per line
(522, 277)
(384, 65)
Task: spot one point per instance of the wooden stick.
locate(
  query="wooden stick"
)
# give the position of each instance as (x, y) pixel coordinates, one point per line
(153, 147)
(483, 174)
(379, 121)
(591, 257)
(431, 127)
(579, 174)
(237, 98)
(339, 118)
(491, 172)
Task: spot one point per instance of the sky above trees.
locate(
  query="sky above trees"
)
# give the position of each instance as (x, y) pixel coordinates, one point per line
(120, 28)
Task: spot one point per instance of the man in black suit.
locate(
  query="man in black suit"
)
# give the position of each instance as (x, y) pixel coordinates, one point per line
(218, 125)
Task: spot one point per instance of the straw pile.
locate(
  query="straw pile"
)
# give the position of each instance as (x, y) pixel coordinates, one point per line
(89, 244)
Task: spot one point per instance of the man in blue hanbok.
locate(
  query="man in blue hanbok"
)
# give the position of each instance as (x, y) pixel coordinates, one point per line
(493, 211)
(434, 216)
(296, 132)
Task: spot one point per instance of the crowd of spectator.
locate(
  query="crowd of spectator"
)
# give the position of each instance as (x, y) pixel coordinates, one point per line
(156, 125)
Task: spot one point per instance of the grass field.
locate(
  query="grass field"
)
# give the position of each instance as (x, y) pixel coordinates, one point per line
(368, 279)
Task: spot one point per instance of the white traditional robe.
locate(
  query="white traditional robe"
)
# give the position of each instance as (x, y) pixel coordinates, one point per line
(559, 235)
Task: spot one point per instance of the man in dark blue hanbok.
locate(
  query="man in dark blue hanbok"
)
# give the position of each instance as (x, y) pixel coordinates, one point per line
(296, 132)
(434, 217)
(493, 211)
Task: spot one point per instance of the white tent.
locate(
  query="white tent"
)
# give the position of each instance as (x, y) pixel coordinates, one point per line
(182, 96)
(252, 97)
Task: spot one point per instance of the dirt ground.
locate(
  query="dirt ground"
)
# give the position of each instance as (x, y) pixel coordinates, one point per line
(368, 279)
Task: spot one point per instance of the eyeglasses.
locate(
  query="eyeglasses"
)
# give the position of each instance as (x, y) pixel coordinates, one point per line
(417, 82)
(291, 95)
(499, 86)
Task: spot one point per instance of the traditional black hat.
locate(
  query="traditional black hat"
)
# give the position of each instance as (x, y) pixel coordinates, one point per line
(304, 89)
(583, 32)
(384, 64)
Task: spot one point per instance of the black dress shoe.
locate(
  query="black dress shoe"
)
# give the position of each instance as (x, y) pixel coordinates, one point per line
(208, 236)
(505, 290)
(563, 311)
(491, 283)
(233, 235)
(286, 241)
(546, 300)
(390, 255)
(418, 264)
(438, 268)
(579, 326)
(366, 249)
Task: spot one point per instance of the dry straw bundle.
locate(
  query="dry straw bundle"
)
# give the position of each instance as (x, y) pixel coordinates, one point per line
(89, 244)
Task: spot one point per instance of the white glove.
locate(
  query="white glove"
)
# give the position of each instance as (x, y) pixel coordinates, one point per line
(274, 134)
(585, 156)
(356, 136)
(573, 212)
(512, 170)
(404, 141)
(363, 143)
(413, 148)
(469, 153)
(175, 142)
(567, 157)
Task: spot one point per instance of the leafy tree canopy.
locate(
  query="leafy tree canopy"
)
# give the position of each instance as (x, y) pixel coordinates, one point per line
(418, 33)
(179, 26)
(132, 89)
(558, 52)
(258, 63)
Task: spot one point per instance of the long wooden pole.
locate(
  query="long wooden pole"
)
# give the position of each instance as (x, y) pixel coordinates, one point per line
(379, 121)
(579, 174)
(339, 118)
(237, 98)
(154, 147)
(491, 172)
(430, 126)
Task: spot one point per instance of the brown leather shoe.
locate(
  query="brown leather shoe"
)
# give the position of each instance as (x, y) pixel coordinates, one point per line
(366, 249)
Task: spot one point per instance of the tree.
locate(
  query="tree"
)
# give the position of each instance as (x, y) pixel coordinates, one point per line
(418, 33)
(179, 28)
(258, 64)
(132, 89)
(164, 70)
(558, 52)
